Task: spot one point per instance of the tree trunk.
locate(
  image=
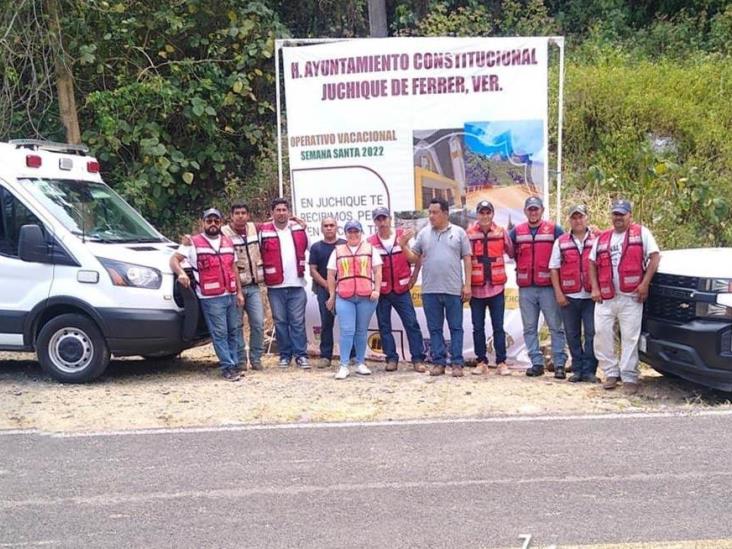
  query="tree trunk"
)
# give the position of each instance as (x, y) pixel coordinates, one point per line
(64, 77)
(377, 18)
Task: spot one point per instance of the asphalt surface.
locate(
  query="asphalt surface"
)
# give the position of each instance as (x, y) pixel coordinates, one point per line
(478, 483)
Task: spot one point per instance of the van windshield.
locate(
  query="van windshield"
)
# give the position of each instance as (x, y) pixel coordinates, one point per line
(92, 210)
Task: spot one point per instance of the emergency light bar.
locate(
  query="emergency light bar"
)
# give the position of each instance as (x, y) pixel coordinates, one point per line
(39, 144)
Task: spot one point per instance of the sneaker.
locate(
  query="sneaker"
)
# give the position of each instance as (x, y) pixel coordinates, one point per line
(457, 371)
(610, 383)
(239, 370)
(302, 363)
(284, 363)
(480, 369)
(391, 366)
(591, 378)
(241, 367)
(437, 370)
(630, 388)
(559, 373)
(230, 374)
(343, 372)
(575, 378)
(502, 369)
(419, 367)
(363, 370)
(535, 371)
(257, 366)
(324, 363)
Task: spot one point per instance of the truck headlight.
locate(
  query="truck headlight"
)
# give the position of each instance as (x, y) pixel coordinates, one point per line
(130, 275)
(713, 310)
(721, 309)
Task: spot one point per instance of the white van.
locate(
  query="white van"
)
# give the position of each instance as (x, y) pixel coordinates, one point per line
(82, 274)
(687, 319)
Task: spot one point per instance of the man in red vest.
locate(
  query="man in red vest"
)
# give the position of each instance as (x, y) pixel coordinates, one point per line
(283, 243)
(213, 258)
(532, 243)
(488, 243)
(397, 278)
(570, 272)
(623, 261)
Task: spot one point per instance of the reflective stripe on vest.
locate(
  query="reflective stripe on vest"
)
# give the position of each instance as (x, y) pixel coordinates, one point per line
(574, 271)
(487, 251)
(354, 270)
(395, 271)
(216, 269)
(630, 266)
(271, 251)
(533, 253)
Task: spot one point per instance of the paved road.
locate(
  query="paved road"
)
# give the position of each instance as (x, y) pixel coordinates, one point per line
(446, 484)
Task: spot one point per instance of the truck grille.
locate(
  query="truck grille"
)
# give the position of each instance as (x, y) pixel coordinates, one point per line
(676, 281)
(669, 298)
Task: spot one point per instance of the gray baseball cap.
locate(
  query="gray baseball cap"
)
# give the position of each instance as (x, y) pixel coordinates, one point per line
(622, 206)
(212, 212)
(533, 202)
(578, 208)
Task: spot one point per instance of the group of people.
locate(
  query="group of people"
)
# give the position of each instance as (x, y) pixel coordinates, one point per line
(583, 282)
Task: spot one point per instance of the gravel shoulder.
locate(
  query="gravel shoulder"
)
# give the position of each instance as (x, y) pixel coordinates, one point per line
(138, 394)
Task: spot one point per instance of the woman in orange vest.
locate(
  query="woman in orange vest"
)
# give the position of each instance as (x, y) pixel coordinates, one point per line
(354, 279)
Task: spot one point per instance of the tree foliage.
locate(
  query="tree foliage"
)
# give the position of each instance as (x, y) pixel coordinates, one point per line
(176, 97)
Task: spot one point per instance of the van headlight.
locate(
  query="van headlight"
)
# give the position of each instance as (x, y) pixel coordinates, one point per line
(130, 275)
(719, 310)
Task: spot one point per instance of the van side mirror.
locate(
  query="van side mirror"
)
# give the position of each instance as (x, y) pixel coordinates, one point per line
(32, 245)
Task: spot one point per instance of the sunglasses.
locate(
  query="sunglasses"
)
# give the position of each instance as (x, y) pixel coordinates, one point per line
(212, 221)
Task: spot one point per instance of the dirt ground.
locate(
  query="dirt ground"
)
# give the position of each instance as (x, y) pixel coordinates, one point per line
(135, 394)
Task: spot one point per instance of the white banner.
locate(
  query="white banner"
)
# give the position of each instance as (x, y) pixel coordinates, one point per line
(397, 121)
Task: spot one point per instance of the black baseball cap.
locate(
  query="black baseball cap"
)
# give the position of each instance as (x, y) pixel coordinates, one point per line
(484, 204)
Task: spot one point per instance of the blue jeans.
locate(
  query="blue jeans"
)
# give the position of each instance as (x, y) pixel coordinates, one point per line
(404, 307)
(353, 315)
(532, 301)
(579, 314)
(223, 319)
(496, 306)
(436, 308)
(327, 320)
(288, 311)
(255, 311)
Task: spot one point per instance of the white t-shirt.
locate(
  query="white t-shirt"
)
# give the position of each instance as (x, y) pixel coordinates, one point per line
(189, 252)
(389, 242)
(555, 262)
(616, 247)
(289, 260)
(375, 258)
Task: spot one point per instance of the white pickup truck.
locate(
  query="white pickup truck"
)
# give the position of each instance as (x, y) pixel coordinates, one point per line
(687, 320)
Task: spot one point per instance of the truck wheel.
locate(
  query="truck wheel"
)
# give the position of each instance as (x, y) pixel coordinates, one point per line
(71, 349)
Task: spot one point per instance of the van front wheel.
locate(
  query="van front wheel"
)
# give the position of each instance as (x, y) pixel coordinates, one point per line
(71, 349)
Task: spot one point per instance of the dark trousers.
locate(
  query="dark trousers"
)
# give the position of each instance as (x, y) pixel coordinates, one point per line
(327, 319)
(496, 306)
(402, 304)
(577, 317)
